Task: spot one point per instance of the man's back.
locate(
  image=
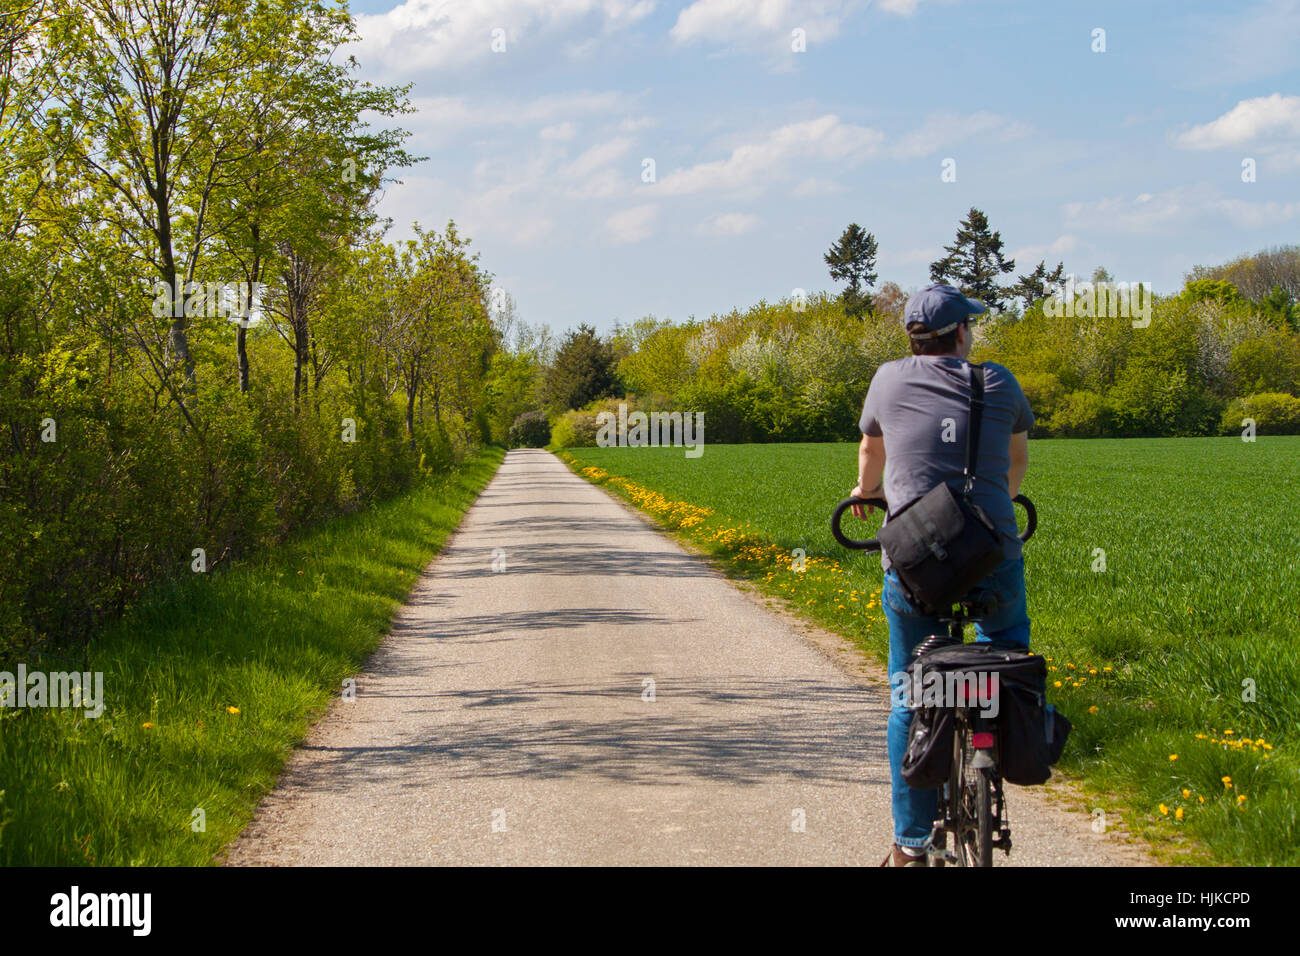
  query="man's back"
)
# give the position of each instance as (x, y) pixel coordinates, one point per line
(920, 405)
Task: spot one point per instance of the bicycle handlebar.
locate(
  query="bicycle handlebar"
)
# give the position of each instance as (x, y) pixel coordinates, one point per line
(871, 544)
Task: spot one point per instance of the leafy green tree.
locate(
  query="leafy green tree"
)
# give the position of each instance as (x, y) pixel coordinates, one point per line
(583, 370)
(1280, 305)
(1256, 275)
(1267, 364)
(975, 261)
(1213, 290)
(852, 259)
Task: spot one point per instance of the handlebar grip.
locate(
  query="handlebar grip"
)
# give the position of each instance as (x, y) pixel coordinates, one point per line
(870, 544)
(1031, 513)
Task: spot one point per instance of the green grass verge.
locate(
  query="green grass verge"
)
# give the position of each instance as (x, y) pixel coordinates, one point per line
(209, 685)
(1177, 663)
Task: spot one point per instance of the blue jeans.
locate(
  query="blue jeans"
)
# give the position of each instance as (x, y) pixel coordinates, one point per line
(915, 810)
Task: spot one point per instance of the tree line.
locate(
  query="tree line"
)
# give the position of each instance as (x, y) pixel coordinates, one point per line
(206, 341)
(1220, 356)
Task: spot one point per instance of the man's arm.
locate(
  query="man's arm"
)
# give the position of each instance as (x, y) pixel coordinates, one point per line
(871, 471)
(1019, 453)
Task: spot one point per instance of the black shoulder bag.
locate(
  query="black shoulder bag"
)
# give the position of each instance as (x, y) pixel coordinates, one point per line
(943, 544)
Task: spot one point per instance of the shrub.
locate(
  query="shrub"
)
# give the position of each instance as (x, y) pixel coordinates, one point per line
(1275, 413)
(1045, 393)
(575, 429)
(530, 430)
(1080, 415)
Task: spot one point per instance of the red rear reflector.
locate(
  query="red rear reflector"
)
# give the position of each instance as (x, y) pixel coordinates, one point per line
(982, 741)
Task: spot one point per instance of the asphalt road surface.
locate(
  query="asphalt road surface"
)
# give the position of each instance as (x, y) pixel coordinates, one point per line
(570, 686)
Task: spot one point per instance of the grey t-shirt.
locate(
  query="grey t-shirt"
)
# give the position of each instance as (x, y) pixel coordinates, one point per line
(919, 401)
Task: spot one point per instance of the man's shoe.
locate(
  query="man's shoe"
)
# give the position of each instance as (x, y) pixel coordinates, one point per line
(900, 857)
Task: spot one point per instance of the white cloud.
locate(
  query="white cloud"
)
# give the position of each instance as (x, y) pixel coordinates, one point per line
(602, 184)
(1028, 256)
(440, 119)
(1177, 209)
(813, 187)
(598, 156)
(1248, 123)
(728, 224)
(725, 22)
(632, 225)
(595, 173)
(1257, 215)
(951, 129)
(528, 232)
(433, 34)
(750, 165)
(1142, 213)
(559, 132)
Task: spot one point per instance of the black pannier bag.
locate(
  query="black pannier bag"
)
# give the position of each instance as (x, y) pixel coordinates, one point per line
(943, 544)
(928, 759)
(1031, 735)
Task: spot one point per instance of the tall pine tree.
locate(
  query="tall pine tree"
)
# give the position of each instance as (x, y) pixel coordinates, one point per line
(853, 260)
(974, 262)
(1039, 284)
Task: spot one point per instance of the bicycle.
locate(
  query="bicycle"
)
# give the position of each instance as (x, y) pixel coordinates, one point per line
(972, 804)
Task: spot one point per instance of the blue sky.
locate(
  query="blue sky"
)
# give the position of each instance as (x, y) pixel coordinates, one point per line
(1129, 158)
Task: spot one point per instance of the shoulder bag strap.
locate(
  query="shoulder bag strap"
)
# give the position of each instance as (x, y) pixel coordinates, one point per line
(973, 431)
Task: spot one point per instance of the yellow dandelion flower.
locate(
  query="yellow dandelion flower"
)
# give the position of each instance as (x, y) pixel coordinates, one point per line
(1173, 756)
(1186, 793)
(1178, 814)
(147, 725)
(1056, 683)
(1241, 798)
(1164, 810)
(1201, 799)
(1227, 782)
(1093, 709)
(232, 710)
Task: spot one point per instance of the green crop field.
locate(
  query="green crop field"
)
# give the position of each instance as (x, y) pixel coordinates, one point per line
(1164, 586)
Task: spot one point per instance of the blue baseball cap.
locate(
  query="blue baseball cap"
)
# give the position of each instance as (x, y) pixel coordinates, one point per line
(940, 308)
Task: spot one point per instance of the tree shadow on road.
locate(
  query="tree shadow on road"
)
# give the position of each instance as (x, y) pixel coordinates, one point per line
(746, 730)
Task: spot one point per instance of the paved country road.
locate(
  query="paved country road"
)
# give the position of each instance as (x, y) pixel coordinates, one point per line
(509, 718)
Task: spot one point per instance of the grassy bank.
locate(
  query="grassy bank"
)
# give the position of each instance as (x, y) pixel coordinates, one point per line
(208, 687)
(1176, 659)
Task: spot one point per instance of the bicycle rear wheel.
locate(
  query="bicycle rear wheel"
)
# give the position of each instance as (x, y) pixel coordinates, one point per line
(973, 805)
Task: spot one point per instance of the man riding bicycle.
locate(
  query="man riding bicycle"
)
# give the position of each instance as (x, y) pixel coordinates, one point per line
(917, 409)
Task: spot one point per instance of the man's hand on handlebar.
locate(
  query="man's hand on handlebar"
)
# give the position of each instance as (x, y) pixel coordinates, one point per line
(857, 492)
